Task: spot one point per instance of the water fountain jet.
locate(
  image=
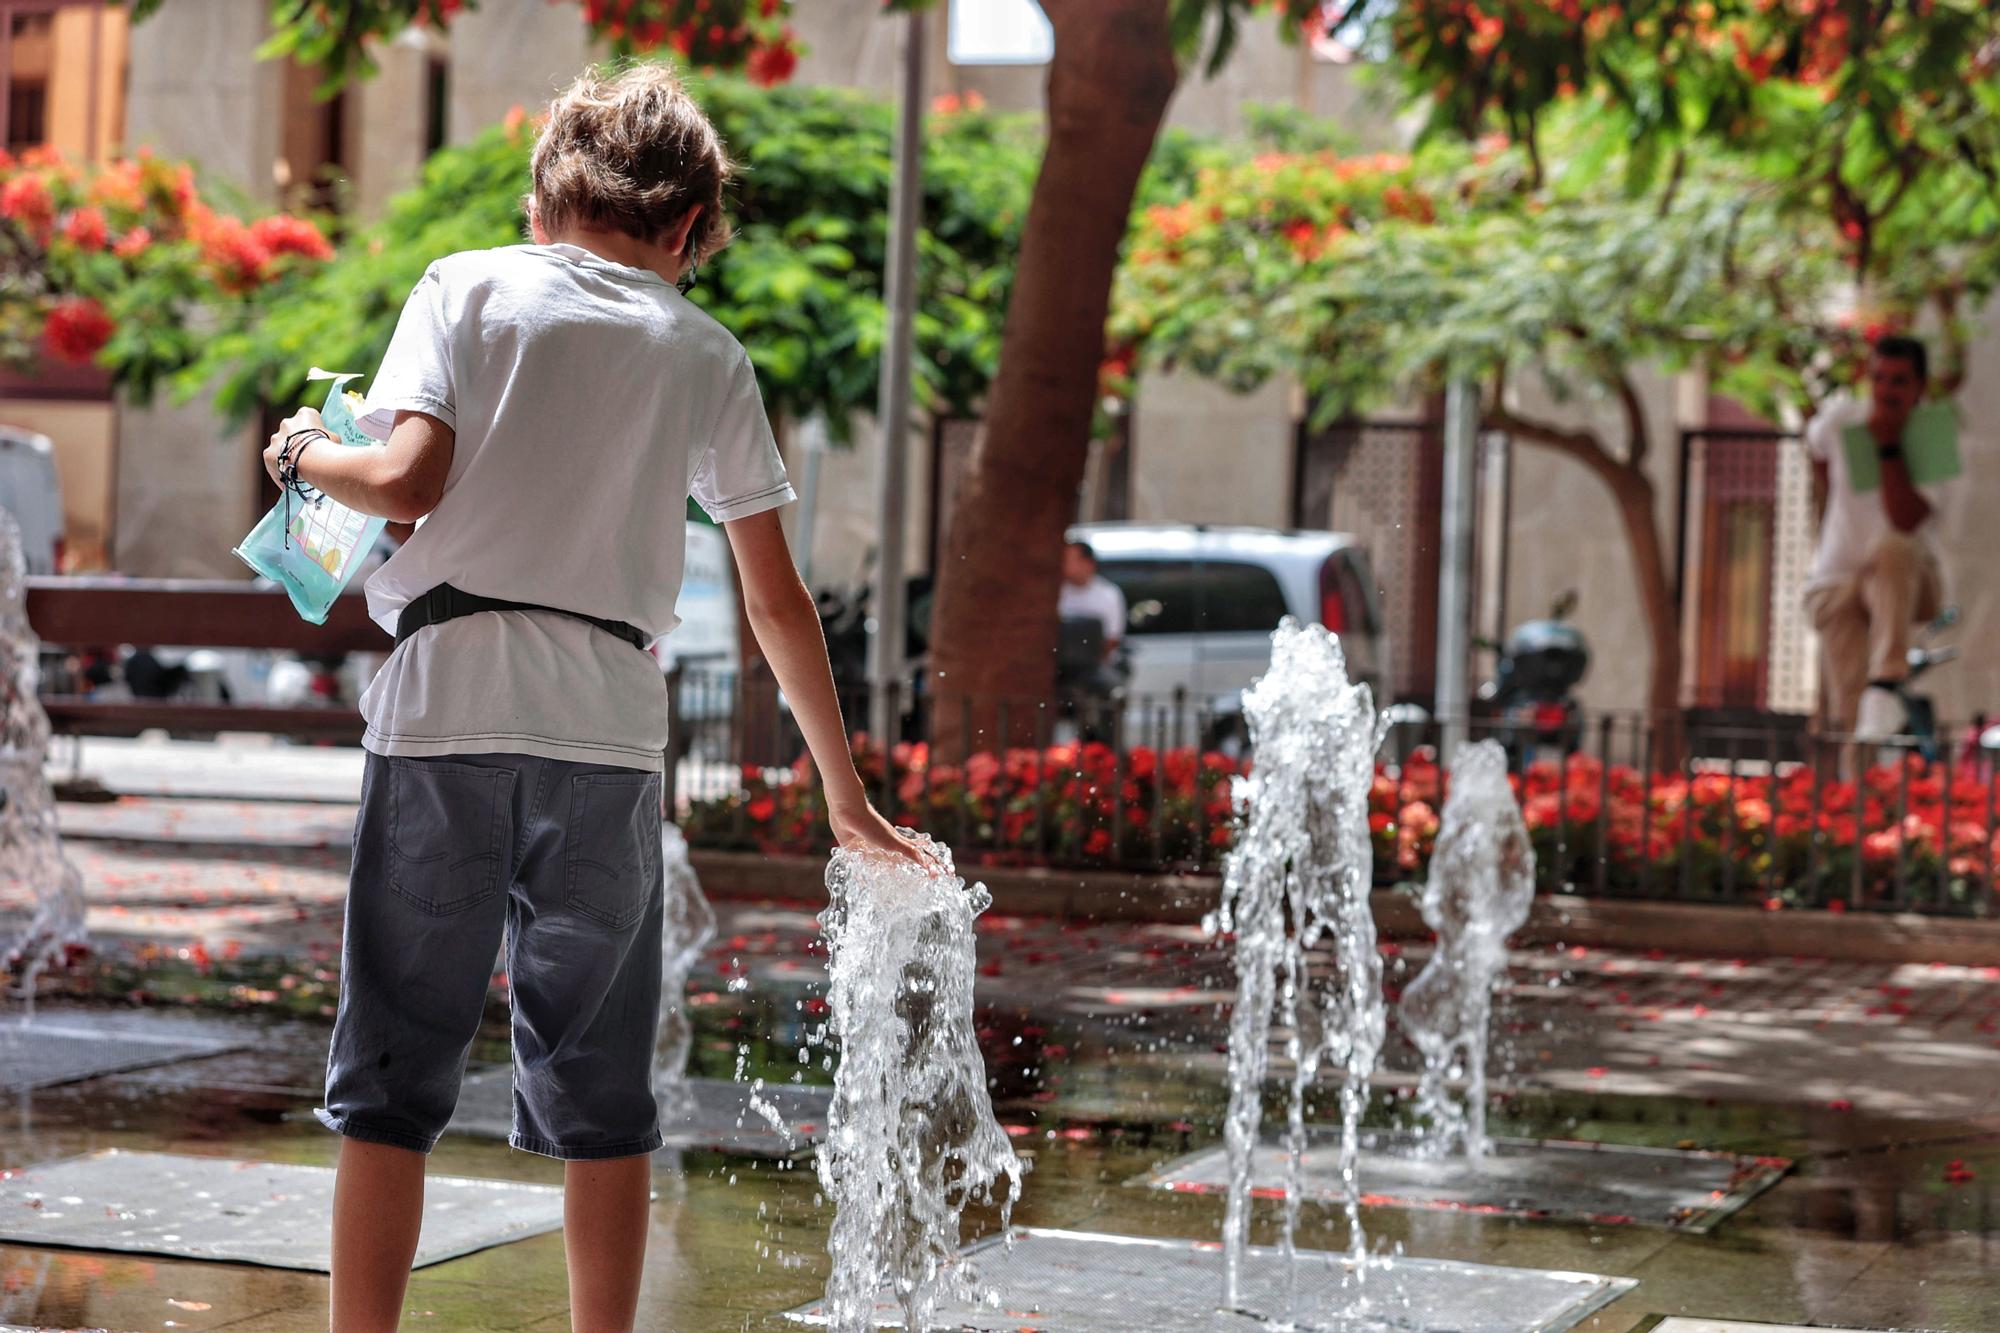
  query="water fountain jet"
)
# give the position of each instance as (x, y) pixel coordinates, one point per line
(1479, 890)
(31, 854)
(1301, 873)
(911, 1138)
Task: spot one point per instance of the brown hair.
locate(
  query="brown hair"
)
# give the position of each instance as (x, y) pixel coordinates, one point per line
(630, 152)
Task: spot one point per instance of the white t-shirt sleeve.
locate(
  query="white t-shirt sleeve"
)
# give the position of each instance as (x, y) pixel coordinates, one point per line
(1114, 611)
(740, 472)
(416, 373)
(1822, 433)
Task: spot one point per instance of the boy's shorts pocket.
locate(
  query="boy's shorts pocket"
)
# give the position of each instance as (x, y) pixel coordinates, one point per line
(447, 832)
(613, 849)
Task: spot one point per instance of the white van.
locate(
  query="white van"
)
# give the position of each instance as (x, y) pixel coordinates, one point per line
(32, 493)
(1201, 602)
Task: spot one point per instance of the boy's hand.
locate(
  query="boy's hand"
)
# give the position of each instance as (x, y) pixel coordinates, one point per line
(862, 828)
(306, 418)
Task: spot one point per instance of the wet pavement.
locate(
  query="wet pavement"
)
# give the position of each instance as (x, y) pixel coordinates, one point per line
(1881, 1082)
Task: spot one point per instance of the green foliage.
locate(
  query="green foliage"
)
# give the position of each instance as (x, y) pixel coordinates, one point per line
(1367, 279)
(801, 285)
(1859, 108)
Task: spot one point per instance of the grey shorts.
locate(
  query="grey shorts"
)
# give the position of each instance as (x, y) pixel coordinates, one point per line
(451, 856)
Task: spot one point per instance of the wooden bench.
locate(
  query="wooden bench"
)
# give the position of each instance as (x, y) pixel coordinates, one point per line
(107, 612)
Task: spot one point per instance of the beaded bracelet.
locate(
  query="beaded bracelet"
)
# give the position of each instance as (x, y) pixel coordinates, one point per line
(289, 480)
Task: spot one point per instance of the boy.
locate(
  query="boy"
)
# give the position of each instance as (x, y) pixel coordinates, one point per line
(553, 407)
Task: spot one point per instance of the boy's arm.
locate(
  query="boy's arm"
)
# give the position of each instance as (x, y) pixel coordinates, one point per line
(402, 481)
(786, 623)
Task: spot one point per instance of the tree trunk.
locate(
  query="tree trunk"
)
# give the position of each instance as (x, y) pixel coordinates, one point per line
(1632, 489)
(994, 631)
(1656, 589)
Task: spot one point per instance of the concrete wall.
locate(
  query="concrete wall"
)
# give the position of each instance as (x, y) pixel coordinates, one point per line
(512, 54)
(197, 90)
(387, 119)
(187, 493)
(1566, 534)
(844, 520)
(1204, 455)
(1971, 538)
(186, 487)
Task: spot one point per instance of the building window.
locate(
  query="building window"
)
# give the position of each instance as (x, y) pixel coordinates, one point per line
(62, 80)
(437, 100)
(1000, 32)
(27, 119)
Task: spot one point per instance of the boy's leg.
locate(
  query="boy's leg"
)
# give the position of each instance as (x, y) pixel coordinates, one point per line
(378, 1206)
(426, 904)
(605, 1211)
(584, 954)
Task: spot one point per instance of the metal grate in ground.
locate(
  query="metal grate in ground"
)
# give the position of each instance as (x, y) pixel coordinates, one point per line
(1600, 1183)
(269, 1213)
(1092, 1282)
(49, 1050)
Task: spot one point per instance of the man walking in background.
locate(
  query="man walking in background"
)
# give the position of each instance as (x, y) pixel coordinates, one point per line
(1088, 595)
(1883, 474)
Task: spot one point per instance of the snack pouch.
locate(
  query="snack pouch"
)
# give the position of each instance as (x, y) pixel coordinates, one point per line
(313, 549)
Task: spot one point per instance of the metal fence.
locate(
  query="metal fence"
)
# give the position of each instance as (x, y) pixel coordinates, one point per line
(1618, 805)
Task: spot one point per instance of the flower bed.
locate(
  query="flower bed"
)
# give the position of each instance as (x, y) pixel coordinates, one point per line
(1903, 834)
(1065, 805)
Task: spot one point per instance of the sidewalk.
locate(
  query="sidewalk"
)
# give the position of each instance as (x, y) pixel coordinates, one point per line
(255, 887)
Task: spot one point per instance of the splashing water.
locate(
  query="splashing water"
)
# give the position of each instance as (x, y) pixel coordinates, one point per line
(690, 924)
(1481, 886)
(1301, 871)
(31, 855)
(911, 1139)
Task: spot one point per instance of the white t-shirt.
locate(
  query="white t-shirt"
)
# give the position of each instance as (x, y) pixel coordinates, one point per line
(1855, 521)
(589, 400)
(1099, 600)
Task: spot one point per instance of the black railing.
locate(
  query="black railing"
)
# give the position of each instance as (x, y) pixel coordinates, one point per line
(1618, 805)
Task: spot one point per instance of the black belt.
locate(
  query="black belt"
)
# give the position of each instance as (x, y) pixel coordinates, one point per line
(445, 602)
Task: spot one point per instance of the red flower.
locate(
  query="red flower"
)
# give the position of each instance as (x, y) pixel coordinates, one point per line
(84, 228)
(233, 253)
(133, 243)
(77, 329)
(26, 200)
(1098, 843)
(284, 234)
(773, 65)
(762, 809)
(1140, 762)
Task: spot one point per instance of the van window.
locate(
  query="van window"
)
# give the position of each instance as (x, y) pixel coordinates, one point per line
(1190, 597)
(1159, 594)
(1239, 598)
